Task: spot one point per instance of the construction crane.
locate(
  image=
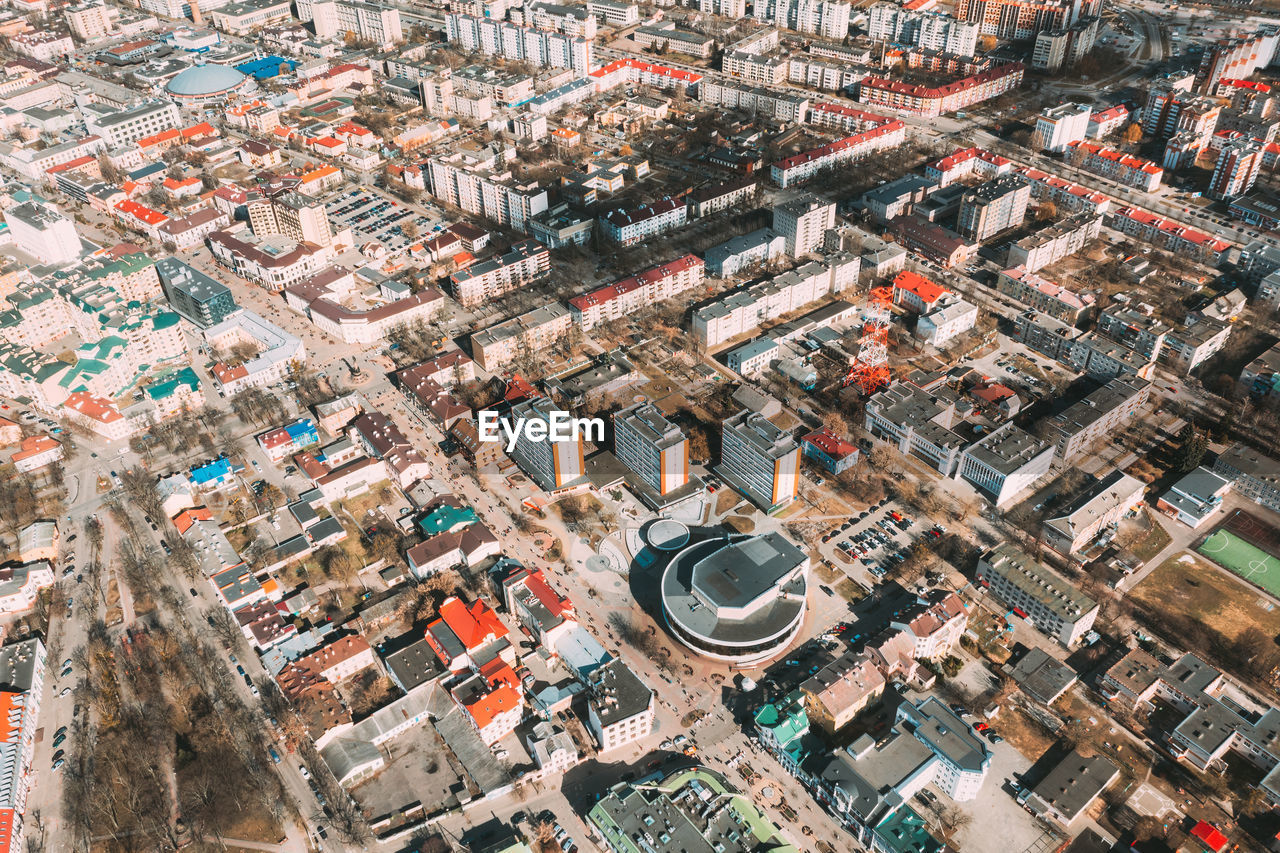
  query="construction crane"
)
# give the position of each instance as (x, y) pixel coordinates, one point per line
(869, 370)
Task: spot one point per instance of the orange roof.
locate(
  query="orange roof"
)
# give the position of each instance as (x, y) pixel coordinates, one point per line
(486, 707)
(498, 671)
(471, 624)
(141, 212)
(98, 408)
(185, 519)
(316, 174)
(34, 445)
(928, 291)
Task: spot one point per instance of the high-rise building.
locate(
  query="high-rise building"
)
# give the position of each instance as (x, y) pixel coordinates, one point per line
(1237, 58)
(1236, 169)
(478, 183)
(91, 21)
(44, 233)
(1059, 126)
(929, 30)
(1024, 19)
(538, 47)
(651, 446)
(803, 223)
(551, 464)
(995, 206)
(759, 460)
(820, 17)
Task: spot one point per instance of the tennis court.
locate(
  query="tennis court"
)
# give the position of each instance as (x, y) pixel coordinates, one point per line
(1248, 561)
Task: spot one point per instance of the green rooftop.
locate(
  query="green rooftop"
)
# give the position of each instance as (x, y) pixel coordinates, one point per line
(904, 831)
(445, 518)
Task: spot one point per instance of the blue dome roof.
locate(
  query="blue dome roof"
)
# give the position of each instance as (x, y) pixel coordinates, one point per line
(201, 80)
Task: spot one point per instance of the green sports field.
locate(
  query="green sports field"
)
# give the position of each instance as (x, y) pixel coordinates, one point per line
(1238, 556)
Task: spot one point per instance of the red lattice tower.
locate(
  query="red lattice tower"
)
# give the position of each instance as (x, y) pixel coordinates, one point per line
(869, 372)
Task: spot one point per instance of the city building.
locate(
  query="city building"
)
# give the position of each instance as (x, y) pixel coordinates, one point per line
(628, 226)
(923, 100)
(1037, 594)
(1252, 474)
(1005, 463)
(829, 451)
(525, 263)
(1116, 165)
(652, 447)
(1070, 788)
(1057, 127)
(1055, 242)
(479, 183)
(1098, 509)
(759, 460)
(624, 298)
(293, 215)
(22, 674)
(740, 599)
(826, 18)
(927, 29)
(1103, 412)
(553, 465)
(803, 223)
(38, 229)
(994, 207)
(1045, 296)
(841, 690)
(1237, 168)
(1024, 19)
(534, 45)
(620, 708)
(511, 340)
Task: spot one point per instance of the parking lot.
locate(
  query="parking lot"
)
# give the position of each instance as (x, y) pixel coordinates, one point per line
(878, 539)
(375, 218)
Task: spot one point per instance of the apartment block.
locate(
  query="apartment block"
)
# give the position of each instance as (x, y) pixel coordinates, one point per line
(966, 162)
(1098, 509)
(1038, 594)
(1101, 414)
(1169, 235)
(121, 127)
(1120, 167)
(1045, 296)
(808, 165)
(803, 223)
(537, 46)
(551, 464)
(497, 346)
(1024, 19)
(629, 226)
(924, 100)
(523, 264)
(742, 311)
(652, 447)
(759, 460)
(994, 207)
(631, 294)
(927, 29)
(1059, 240)
(480, 183)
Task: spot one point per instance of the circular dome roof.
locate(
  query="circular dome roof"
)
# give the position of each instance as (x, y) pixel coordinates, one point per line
(201, 80)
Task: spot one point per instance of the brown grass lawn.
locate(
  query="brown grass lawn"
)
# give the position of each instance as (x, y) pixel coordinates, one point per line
(1209, 595)
(726, 500)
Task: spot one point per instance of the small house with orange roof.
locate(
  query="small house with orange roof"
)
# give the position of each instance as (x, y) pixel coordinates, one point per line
(468, 635)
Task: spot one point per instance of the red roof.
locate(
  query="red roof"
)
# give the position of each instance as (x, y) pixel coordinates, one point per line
(472, 625)
(608, 293)
(830, 443)
(928, 291)
(485, 707)
(639, 65)
(1208, 835)
(921, 91)
(839, 145)
(537, 584)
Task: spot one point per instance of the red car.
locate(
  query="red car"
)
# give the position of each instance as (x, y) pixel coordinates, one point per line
(980, 727)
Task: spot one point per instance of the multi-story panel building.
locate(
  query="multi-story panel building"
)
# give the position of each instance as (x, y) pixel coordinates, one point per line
(523, 264)
(810, 164)
(1237, 58)
(927, 29)
(615, 13)
(497, 346)
(478, 183)
(1081, 522)
(1036, 593)
(1169, 235)
(652, 447)
(121, 127)
(1024, 19)
(551, 464)
(819, 17)
(759, 460)
(961, 757)
(1237, 168)
(1046, 296)
(538, 47)
(779, 104)
(1050, 245)
(994, 207)
(41, 231)
(803, 223)
(1254, 475)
